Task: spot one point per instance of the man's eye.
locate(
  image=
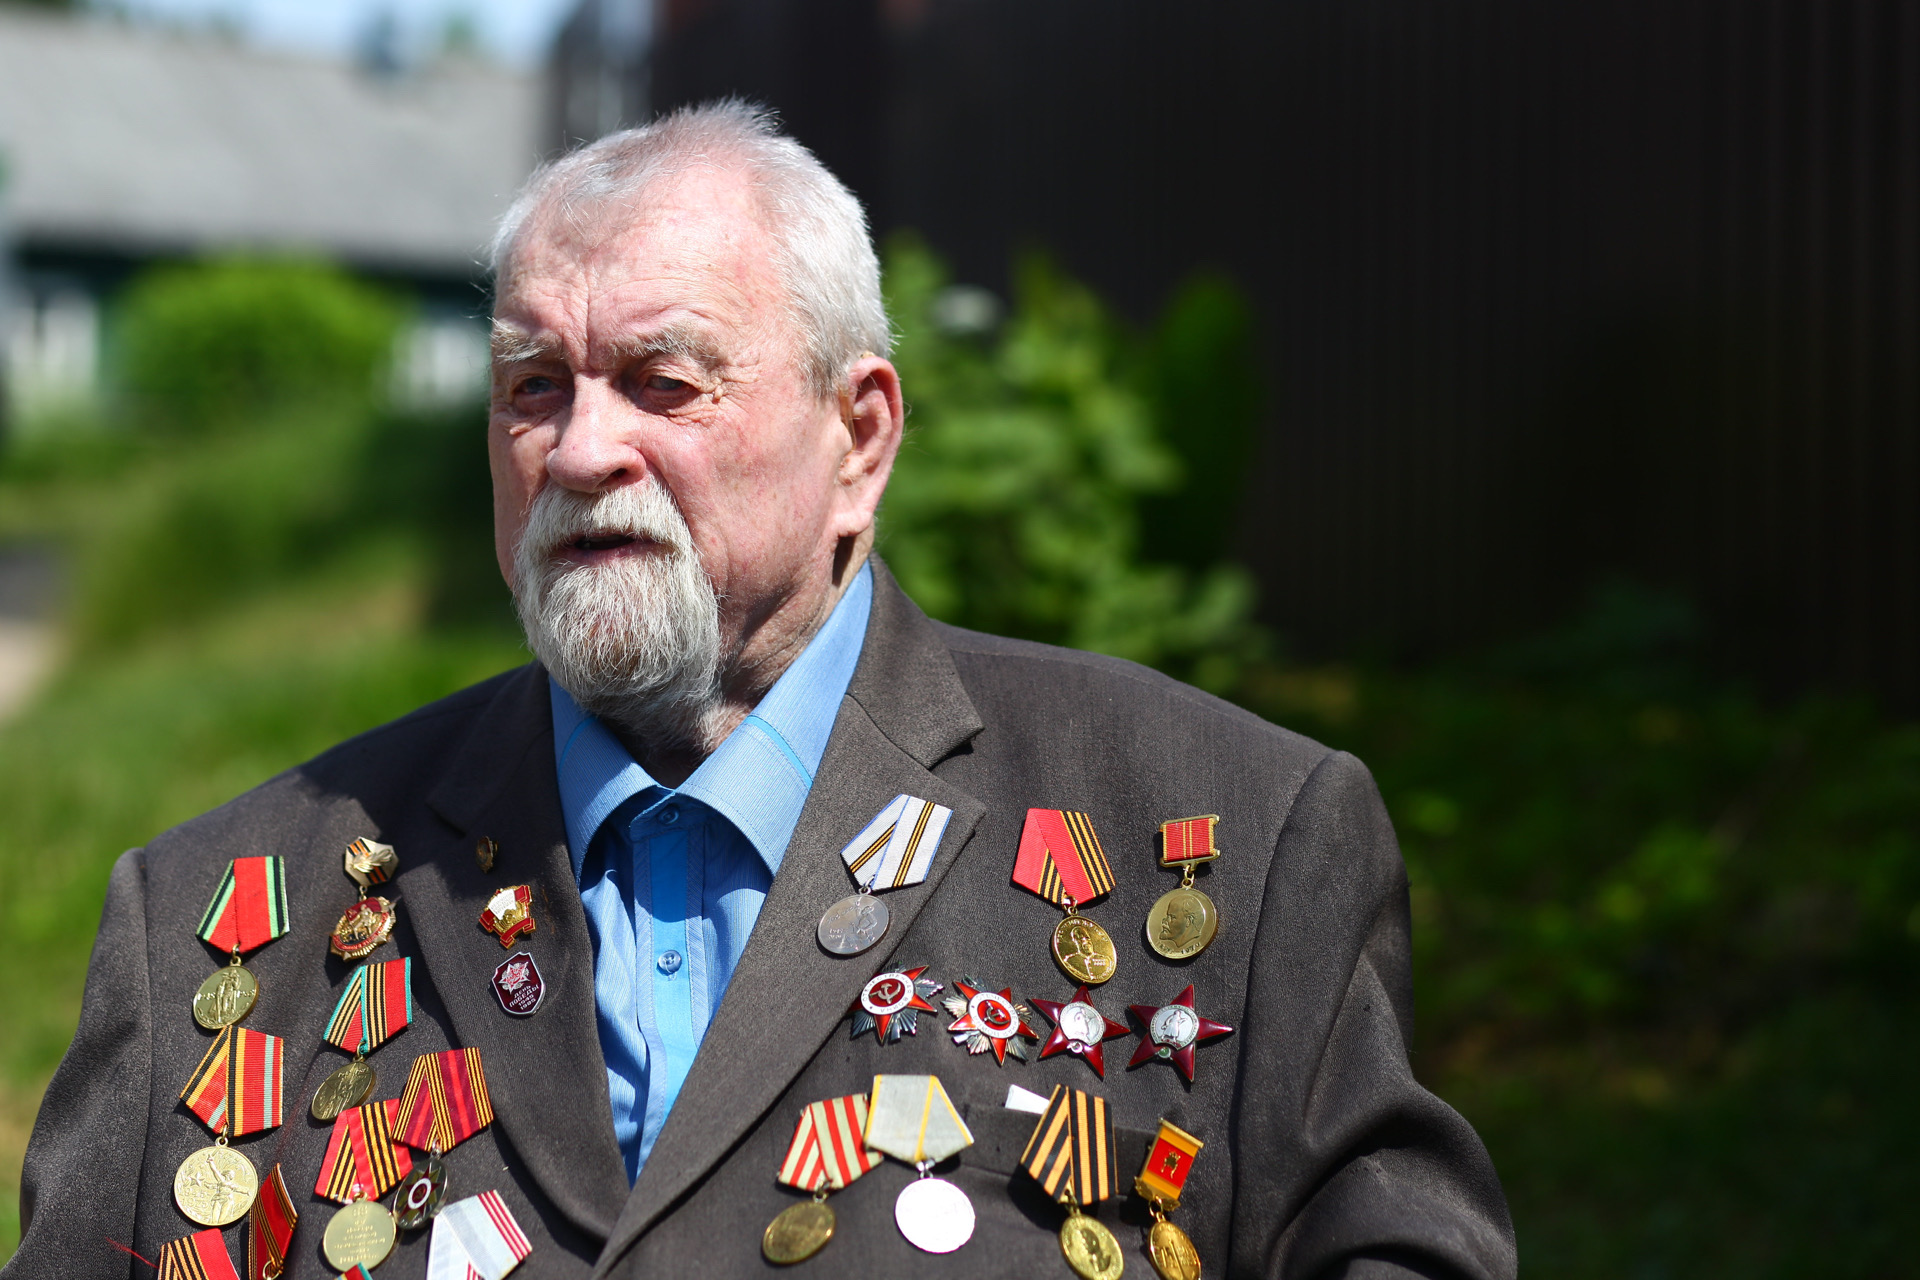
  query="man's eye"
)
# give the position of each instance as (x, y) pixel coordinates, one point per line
(661, 382)
(538, 386)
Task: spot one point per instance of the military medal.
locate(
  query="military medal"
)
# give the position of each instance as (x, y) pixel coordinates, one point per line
(249, 910)
(1172, 1032)
(369, 921)
(1161, 1180)
(270, 1224)
(360, 1235)
(911, 1118)
(1061, 860)
(200, 1256)
(445, 1103)
(1184, 920)
(376, 1004)
(988, 1020)
(1079, 1029)
(485, 850)
(1071, 1155)
(517, 985)
(893, 851)
(235, 1091)
(363, 1162)
(891, 1003)
(828, 1151)
(476, 1237)
(509, 913)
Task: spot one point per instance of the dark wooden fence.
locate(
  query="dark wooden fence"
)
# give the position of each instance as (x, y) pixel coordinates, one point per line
(1548, 292)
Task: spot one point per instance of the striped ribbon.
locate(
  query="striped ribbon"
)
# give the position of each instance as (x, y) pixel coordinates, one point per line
(1073, 1144)
(377, 1003)
(829, 1146)
(236, 1088)
(363, 1160)
(445, 1102)
(476, 1237)
(896, 849)
(249, 908)
(911, 1118)
(270, 1223)
(200, 1256)
(1060, 857)
(1188, 840)
(357, 1271)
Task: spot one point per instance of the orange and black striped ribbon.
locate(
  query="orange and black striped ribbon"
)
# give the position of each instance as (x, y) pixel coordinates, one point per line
(200, 1256)
(270, 1224)
(1061, 858)
(363, 1160)
(1072, 1145)
(236, 1088)
(376, 1004)
(445, 1102)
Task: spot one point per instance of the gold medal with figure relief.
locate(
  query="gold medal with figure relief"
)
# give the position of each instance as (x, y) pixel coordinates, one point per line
(215, 1185)
(798, 1232)
(226, 997)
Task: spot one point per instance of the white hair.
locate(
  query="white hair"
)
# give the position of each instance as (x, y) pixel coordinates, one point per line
(823, 251)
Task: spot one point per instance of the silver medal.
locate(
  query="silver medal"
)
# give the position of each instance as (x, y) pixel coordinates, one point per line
(934, 1215)
(853, 924)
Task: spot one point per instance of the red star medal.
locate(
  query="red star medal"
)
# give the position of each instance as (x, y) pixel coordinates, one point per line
(891, 1002)
(1172, 1031)
(1078, 1028)
(988, 1020)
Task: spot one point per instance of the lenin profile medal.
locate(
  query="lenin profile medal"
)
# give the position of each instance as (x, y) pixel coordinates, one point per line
(1182, 923)
(1060, 859)
(893, 851)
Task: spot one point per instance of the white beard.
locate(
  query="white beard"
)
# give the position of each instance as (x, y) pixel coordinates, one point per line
(635, 640)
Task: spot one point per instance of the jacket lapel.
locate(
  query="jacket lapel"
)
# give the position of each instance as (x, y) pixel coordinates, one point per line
(546, 1074)
(904, 711)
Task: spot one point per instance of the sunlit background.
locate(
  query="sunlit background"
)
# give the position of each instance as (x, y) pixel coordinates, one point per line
(1526, 398)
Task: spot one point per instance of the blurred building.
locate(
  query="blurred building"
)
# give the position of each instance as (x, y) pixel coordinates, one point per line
(122, 146)
(1549, 294)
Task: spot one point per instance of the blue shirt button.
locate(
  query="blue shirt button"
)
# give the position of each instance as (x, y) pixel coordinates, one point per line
(669, 816)
(669, 962)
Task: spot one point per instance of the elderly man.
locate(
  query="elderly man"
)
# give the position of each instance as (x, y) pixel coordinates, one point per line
(761, 920)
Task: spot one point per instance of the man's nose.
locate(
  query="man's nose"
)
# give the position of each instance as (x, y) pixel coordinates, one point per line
(599, 445)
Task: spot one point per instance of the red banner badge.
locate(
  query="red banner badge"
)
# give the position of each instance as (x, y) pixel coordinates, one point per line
(1164, 1175)
(1186, 840)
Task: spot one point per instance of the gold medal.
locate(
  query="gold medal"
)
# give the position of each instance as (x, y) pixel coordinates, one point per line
(360, 1235)
(215, 1185)
(800, 1231)
(1089, 1247)
(1084, 949)
(362, 928)
(1172, 1252)
(1184, 920)
(226, 997)
(347, 1087)
(1160, 1183)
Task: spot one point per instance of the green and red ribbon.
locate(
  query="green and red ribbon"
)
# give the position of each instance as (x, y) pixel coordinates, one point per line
(377, 1004)
(363, 1160)
(445, 1102)
(200, 1256)
(249, 909)
(236, 1088)
(1061, 858)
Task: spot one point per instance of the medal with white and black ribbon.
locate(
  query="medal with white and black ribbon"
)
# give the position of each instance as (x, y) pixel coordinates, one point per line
(911, 1118)
(248, 910)
(828, 1151)
(893, 851)
(1071, 1155)
(376, 1004)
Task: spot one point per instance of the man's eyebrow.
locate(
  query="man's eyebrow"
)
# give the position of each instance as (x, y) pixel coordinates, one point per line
(681, 338)
(512, 345)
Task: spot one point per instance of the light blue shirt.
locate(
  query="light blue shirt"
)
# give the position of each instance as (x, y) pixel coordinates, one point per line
(673, 879)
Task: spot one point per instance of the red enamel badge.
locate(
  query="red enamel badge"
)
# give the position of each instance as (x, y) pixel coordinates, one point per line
(1078, 1028)
(988, 1020)
(1172, 1031)
(518, 985)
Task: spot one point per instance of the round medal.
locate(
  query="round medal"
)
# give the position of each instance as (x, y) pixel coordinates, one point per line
(215, 1185)
(365, 925)
(1172, 1252)
(346, 1088)
(853, 924)
(1090, 1248)
(1084, 950)
(227, 996)
(1182, 923)
(360, 1235)
(934, 1215)
(800, 1231)
(420, 1194)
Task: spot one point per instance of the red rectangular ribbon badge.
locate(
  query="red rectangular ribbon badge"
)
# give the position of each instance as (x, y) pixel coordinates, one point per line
(249, 908)
(363, 1160)
(1061, 858)
(445, 1102)
(1188, 840)
(200, 1256)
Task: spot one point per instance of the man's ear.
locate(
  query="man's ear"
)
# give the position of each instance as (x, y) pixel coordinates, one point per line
(874, 415)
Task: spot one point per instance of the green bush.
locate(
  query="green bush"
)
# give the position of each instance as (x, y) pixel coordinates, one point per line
(212, 345)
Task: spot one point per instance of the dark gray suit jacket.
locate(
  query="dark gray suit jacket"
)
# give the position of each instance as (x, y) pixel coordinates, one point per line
(1323, 1155)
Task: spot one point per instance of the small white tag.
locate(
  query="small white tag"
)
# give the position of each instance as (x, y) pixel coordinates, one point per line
(1019, 1099)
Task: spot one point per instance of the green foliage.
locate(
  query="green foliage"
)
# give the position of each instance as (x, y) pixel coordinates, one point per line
(213, 345)
(1014, 507)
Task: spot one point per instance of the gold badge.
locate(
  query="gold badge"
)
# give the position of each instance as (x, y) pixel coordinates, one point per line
(365, 925)
(215, 1185)
(360, 1235)
(1084, 949)
(1089, 1247)
(1160, 1183)
(1182, 923)
(509, 913)
(227, 996)
(346, 1088)
(800, 1231)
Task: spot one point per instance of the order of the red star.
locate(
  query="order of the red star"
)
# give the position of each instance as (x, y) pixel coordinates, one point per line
(1067, 1020)
(1172, 1030)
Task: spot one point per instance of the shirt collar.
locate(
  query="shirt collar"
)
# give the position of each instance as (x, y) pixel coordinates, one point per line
(759, 777)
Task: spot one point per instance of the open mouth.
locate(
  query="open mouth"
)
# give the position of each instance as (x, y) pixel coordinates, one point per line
(602, 541)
